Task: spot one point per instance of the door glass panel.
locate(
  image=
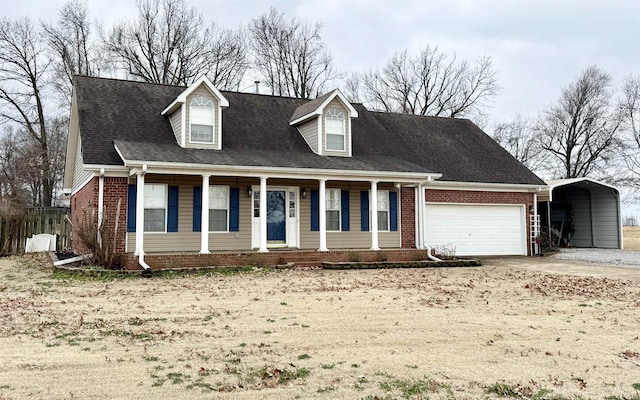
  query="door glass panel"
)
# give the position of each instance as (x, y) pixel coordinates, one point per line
(292, 204)
(256, 203)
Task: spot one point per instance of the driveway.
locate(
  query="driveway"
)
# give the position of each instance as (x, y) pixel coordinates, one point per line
(604, 257)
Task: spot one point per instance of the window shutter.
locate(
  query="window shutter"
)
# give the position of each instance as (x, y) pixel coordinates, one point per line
(344, 198)
(364, 211)
(197, 208)
(131, 208)
(172, 214)
(234, 210)
(393, 211)
(315, 211)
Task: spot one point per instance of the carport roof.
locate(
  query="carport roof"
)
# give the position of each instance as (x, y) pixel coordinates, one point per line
(547, 193)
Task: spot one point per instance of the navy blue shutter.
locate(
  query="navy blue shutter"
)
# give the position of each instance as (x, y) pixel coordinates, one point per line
(172, 214)
(234, 210)
(197, 208)
(315, 210)
(344, 199)
(364, 211)
(131, 208)
(393, 211)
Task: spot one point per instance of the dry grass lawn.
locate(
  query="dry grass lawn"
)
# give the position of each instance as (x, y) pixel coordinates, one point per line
(631, 237)
(525, 328)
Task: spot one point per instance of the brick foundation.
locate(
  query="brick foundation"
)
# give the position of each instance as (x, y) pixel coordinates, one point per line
(276, 257)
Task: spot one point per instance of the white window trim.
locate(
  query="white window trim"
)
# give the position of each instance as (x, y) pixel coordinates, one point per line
(166, 207)
(344, 131)
(228, 206)
(388, 211)
(213, 119)
(339, 209)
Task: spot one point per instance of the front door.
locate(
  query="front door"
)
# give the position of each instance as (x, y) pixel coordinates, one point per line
(276, 216)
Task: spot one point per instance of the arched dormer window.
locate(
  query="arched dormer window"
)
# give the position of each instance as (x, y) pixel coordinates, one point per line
(201, 119)
(335, 130)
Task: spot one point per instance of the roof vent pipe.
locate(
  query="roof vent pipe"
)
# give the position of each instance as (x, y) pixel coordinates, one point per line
(257, 87)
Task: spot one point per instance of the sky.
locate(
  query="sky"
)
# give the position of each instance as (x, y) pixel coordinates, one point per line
(537, 47)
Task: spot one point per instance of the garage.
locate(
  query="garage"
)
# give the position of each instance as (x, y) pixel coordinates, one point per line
(475, 230)
(581, 212)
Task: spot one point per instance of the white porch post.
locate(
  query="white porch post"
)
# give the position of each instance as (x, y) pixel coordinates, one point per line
(263, 215)
(322, 214)
(374, 215)
(139, 214)
(204, 218)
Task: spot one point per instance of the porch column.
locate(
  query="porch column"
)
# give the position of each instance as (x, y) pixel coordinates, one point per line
(374, 215)
(322, 214)
(263, 215)
(139, 214)
(204, 219)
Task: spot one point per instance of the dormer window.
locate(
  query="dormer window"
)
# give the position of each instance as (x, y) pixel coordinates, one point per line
(201, 119)
(335, 130)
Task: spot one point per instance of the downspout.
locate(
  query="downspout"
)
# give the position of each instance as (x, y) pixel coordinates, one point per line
(100, 203)
(421, 198)
(140, 222)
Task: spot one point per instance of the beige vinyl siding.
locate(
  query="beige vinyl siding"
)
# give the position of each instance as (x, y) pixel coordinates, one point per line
(352, 239)
(202, 90)
(176, 124)
(185, 240)
(71, 149)
(80, 175)
(309, 131)
(336, 103)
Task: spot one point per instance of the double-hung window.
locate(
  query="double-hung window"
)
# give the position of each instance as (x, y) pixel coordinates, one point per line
(335, 130)
(333, 209)
(201, 119)
(218, 208)
(383, 210)
(155, 207)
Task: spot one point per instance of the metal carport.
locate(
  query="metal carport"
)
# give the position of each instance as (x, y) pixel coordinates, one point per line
(581, 212)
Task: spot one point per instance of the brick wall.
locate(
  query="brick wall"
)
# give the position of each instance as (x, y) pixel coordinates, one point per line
(408, 215)
(484, 197)
(84, 204)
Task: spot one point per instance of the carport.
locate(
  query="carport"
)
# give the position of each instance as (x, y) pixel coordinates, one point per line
(581, 212)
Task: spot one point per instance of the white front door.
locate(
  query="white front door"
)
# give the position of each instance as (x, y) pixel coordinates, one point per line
(477, 230)
(282, 217)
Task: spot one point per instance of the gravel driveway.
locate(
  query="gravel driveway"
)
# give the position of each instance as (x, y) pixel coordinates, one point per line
(622, 258)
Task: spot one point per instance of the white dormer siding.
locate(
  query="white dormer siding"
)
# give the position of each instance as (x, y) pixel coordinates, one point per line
(204, 98)
(309, 131)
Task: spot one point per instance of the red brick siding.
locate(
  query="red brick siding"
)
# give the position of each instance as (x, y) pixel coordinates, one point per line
(408, 216)
(87, 197)
(483, 197)
(81, 202)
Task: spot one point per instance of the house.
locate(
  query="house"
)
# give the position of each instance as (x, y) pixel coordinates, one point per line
(184, 172)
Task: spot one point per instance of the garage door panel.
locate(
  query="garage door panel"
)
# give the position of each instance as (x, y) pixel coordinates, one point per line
(476, 229)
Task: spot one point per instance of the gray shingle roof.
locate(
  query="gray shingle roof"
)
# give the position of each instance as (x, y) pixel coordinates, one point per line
(256, 132)
(309, 106)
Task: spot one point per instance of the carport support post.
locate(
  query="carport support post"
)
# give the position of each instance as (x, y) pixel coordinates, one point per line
(374, 215)
(204, 222)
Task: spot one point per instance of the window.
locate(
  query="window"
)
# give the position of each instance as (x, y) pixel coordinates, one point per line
(218, 208)
(333, 209)
(201, 117)
(155, 207)
(334, 129)
(383, 210)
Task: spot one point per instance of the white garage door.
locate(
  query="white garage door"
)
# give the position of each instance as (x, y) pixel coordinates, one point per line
(477, 229)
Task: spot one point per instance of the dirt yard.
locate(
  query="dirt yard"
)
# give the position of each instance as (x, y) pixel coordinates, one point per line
(631, 237)
(525, 328)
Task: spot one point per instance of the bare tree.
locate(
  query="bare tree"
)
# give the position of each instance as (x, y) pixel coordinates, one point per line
(518, 137)
(580, 133)
(290, 55)
(170, 44)
(23, 67)
(431, 83)
(72, 48)
(630, 109)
